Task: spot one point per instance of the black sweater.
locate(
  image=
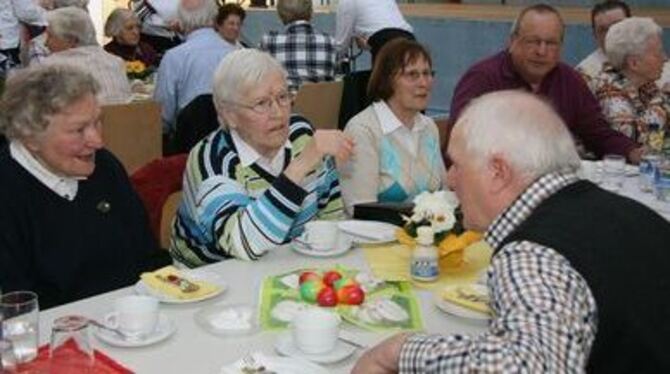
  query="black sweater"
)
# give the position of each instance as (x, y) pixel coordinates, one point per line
(622, 249)
(67, 250)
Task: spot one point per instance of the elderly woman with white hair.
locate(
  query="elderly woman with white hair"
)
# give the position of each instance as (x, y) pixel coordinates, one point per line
(123, 27)
(71, 39)
(71, 225)
(631, 101)
(251, 185)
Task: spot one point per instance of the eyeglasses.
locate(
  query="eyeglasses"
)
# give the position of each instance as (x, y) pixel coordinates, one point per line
(414, 75)
(536, 43)
(264, 105)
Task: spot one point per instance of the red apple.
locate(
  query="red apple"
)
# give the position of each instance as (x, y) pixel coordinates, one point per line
(308, 275)
(351, 295)
(331, 276)
(327, 297)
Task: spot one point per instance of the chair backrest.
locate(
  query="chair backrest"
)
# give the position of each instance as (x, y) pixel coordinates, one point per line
(169, 211)
(320, 103)
(133, 132)
(354, 95)
(195, 121)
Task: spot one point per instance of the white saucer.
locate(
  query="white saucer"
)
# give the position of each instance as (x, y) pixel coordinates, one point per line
(163, 330)
(369, 232)
(195, 274)
(457, 310)
(284, 345)
(343, 245)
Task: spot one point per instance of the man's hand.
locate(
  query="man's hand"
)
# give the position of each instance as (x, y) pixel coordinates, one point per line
(635, 155)
(383, 358)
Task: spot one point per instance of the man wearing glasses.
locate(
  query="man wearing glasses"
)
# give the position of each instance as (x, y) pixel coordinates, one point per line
(531, 63)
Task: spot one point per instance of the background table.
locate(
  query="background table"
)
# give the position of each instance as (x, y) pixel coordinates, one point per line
(192, 350)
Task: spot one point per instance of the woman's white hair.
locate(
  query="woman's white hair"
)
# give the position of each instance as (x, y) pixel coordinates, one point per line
(72, 24)
(33, 95)
(197, 17)
(520, 128)
(240, 71)
(116, 20)
(629, 37)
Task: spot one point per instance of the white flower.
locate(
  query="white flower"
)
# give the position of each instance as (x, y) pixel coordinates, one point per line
(436, 207)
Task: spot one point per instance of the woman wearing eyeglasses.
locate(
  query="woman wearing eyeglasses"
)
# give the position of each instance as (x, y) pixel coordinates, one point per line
(397, 153)
(251, 185)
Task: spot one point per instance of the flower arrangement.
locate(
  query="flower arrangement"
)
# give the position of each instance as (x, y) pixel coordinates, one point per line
(137, 70)
(439, 210)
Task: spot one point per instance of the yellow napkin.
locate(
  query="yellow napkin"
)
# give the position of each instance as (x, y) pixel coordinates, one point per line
(466, 296)
(152, 280)
(391, 262)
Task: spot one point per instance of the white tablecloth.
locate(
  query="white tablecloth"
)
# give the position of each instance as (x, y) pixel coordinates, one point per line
(631, 188)
(192, 350)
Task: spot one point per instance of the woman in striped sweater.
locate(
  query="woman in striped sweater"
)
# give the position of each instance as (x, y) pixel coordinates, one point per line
(251, 185)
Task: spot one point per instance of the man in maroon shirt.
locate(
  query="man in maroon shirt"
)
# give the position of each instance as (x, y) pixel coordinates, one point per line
(531, 62)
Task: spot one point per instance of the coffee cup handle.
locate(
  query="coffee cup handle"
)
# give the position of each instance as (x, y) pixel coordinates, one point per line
(112, 320)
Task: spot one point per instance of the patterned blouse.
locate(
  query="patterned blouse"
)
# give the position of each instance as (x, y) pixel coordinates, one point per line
(630, 110)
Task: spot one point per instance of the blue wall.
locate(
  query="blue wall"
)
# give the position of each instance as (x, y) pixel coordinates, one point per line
(455, 44)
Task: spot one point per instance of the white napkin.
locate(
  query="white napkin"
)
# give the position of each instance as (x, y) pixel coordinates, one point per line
(236, 367)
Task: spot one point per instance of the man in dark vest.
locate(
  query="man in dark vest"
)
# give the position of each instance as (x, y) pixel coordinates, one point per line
(578, 278)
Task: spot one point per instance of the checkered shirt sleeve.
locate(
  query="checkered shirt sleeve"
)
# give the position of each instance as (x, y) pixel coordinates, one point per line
(544, 313)
(308, 56)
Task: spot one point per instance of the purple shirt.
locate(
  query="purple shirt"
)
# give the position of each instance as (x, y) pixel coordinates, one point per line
(563, 86)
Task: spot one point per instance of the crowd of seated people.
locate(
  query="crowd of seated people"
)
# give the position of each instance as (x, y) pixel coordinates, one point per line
(72, 226)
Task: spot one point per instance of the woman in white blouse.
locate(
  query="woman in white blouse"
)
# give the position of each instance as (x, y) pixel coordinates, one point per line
(397, 154)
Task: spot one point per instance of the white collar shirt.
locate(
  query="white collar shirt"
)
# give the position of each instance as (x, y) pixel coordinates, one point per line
(391, 126)
(64, 187)
(12, 13)
(248, 155)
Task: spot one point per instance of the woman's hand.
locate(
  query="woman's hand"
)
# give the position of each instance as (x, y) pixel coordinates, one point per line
(324, 143)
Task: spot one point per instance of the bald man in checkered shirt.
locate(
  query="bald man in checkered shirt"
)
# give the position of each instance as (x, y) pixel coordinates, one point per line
(578, 278)
(307, 54)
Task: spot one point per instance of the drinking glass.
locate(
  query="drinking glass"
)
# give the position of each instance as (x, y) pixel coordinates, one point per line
(613, 172)
(662, 180)
(7, 359)
(70, 349)
(20, 325)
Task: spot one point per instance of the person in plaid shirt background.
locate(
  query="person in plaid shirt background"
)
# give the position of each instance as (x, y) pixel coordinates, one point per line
(567, 294)
(307, 55)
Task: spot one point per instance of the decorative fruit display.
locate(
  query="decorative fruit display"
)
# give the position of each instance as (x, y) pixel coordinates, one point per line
(308, 275)
(340, 283)
(351, 295)
(327, 297)
(331, 277)
(330, 289)
(310, 289)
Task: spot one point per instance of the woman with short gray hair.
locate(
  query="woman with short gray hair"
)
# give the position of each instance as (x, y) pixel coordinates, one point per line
(71, 225)
(71, 39)
(124, 28)
(626, 88)
(251, 185)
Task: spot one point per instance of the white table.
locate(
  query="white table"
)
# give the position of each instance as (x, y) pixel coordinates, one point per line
(630, 188)
(192, 350)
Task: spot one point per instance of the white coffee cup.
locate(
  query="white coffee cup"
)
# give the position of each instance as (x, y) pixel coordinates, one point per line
(321, 235)
(134, 315)
(315, 330)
